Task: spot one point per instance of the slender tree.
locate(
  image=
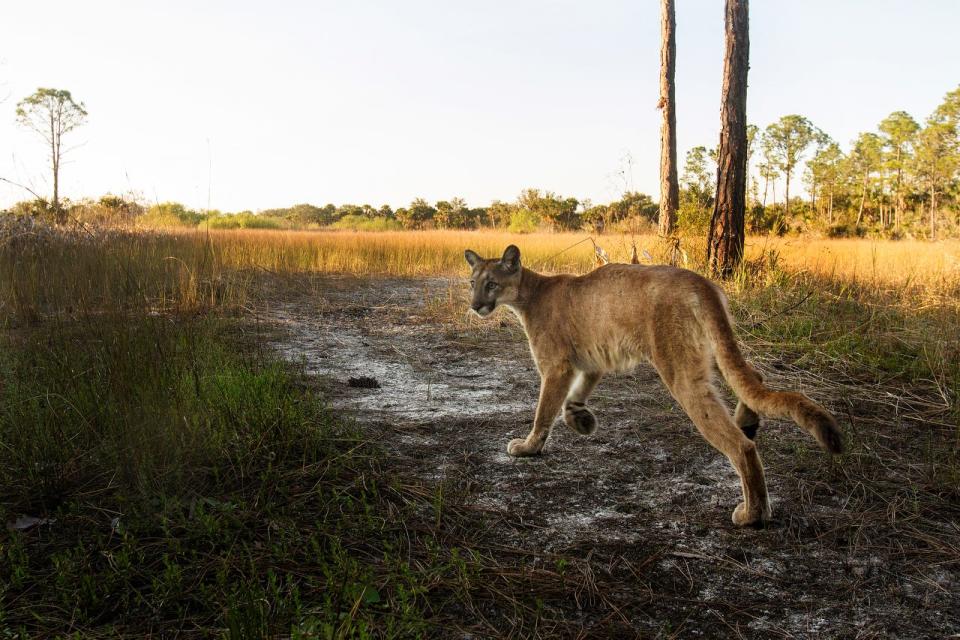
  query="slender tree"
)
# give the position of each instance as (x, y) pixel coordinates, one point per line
(865, 157)
(788, 138)
(697, 178)
(725, 242)
(767, 172)
(936, 162)
(669, 185)
(900, 129)
(52, 113)
(753, 137)
(824, 169)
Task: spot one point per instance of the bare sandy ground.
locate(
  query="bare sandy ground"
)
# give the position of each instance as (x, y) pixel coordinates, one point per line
(645, 498)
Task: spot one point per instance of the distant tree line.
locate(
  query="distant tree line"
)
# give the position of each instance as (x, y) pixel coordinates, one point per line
(902, 179)
(533, 210)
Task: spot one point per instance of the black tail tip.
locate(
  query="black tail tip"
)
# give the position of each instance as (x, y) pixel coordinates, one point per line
(830, 438)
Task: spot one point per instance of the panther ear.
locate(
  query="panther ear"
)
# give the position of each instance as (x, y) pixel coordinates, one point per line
(472, 258)
(511, 259)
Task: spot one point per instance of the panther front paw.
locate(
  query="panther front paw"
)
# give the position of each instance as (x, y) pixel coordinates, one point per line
(756, 517)
(518, 448)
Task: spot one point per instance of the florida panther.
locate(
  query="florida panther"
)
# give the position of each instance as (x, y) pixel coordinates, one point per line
(617, 316)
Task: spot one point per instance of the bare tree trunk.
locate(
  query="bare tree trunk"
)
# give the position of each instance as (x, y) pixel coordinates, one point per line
(725, 242)
(899, 197)
(669, 184)
(813, 198)
(54, 167)
(884, 213)
(830, 209)
(863, 199)
(766, 185)
(933, 214)
(56, 187)
(786, 201)
(55, 138)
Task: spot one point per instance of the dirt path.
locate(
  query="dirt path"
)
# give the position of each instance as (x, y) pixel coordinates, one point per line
(645, 495)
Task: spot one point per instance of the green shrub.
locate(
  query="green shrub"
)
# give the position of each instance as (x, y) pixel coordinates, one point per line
(523, 221)
(108, 210)
(692, 216)
(170, 214)
(363, 223)
(39, 208)
(243, 220)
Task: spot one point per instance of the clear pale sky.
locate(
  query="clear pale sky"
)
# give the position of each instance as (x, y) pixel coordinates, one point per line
(377, 101)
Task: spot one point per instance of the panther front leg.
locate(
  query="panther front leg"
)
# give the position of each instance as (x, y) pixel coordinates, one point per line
(554, 385)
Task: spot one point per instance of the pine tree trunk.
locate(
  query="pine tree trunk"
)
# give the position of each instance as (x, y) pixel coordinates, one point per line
(813, 198)
(669, 184)
(786, 199)
(884, 213)
(55, 166)
(933, 214)
(725, 242)
(56, 189)
(899, 202)
(863, 199)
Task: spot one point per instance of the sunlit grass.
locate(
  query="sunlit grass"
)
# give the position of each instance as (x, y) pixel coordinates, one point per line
(188, 267)
(891, 306)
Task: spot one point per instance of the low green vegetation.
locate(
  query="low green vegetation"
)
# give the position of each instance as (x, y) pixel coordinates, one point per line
(354, 222)
(184, 480)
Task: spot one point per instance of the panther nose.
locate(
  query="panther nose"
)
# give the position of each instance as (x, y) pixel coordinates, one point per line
(476, 306)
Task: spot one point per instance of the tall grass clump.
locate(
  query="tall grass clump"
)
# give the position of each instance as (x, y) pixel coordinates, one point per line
(47, 272)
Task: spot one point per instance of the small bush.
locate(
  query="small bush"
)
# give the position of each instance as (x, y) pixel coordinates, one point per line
(523, 221)
(363, 223)
(170, 214)
(109, 210)
(847, 230)
(243, 220)
(692, 218)
(39, 209)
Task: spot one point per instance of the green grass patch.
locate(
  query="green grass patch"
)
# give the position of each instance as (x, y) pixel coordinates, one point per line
(186, 484)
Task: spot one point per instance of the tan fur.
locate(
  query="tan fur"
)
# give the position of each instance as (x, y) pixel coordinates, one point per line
(617, 316)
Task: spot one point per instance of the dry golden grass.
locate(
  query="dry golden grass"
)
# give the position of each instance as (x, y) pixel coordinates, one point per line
(908, 266)
(423, 253)
(890, 308)
(196, 269)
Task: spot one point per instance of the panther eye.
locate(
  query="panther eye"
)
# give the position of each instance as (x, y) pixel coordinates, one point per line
(491, 286)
